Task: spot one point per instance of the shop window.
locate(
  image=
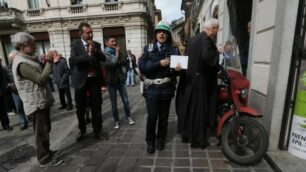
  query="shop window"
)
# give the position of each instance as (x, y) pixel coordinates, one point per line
(3, 4)
(33, 4)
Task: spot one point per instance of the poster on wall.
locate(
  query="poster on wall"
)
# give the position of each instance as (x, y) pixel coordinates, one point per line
(297, 142)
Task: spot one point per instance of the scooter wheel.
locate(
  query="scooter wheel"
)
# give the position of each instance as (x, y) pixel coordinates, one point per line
(244, 141)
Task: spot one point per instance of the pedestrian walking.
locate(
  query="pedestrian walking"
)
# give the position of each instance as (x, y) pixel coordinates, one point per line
(197, 89)
(87, 79)
(130, 68)
(31, 82)
(5, 122)
(159, 84)
(61, 74)
(115, 80)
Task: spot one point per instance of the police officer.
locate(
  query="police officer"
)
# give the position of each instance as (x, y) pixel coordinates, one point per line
(159, 84)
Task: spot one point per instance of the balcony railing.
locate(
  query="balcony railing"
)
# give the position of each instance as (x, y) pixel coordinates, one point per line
(35, 13)
(76, 9)
(10, 13)
(113, 6)
(85, 10)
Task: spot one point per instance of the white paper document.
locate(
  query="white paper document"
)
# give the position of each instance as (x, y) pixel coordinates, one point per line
(183, 60)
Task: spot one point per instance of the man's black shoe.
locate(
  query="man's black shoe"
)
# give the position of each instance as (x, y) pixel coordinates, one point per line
(8, 128)
(69, 108)
(102, 135)
(62, 107)
(80, 136)
(150, 149)
(88, 120)
(24, 127)
(185, 140)
(160, 146)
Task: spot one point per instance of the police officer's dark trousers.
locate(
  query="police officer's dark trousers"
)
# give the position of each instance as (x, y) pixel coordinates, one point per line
(158, 112)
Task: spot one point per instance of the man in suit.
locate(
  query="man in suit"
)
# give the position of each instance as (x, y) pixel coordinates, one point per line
(86, 76)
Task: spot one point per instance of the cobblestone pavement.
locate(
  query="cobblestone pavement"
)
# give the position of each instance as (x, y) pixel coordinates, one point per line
(125, 151)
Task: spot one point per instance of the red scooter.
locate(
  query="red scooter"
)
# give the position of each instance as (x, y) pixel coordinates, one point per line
(243, 139)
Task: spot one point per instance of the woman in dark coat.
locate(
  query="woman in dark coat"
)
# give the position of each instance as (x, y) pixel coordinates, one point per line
(197, 89)
(159, 84)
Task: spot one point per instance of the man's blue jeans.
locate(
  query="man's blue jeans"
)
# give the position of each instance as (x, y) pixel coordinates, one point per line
(130, 78)
(19, 108)
(112, 90)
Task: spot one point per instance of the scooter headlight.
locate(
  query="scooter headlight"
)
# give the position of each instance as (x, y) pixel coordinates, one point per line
(244, 93)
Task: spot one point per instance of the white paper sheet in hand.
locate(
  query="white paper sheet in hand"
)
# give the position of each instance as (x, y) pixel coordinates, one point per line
(183, 60)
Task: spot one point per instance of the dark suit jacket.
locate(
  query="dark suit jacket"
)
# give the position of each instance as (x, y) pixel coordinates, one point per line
(80, 61)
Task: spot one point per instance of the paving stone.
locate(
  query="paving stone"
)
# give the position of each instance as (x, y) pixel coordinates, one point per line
(200, 163)
(222, 170)
(201, 170)
(99, 155)
(237, 166)
(78, 160)
(182, 162)
(142, 169)
(262, 164)
(144, 153)
(109, 165)
(126, 139)
(2, 169)
(163, 162)
(240, 170)
(162, 169)
(215, 154)
(9, 166)
(132, 153)
(145, 162)
(164, 153)
(213, 147)
(263, 170)
(182, 147)
(69, 168)
(88, 169)
(52, 169)
(198, 154)
(219, 164)
(116, 153)
(182, 170)
(136, 146)
(182, 154)
(85, 152)
(117, 134)
(121, 146)
(168, 146)
(126, 164)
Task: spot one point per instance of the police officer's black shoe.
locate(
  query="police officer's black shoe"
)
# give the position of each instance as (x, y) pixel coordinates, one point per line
(160, 145)
(150, 149)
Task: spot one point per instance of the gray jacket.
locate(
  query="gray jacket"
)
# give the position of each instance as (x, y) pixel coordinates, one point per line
(61, 73)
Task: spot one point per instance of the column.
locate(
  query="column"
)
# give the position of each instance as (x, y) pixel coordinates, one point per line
(60, 41)
(98, 35)
(136, 39)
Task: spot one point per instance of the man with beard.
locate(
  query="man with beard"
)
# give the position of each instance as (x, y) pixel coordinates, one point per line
(197, 89)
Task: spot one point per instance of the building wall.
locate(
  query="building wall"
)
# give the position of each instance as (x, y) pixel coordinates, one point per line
(270, 56)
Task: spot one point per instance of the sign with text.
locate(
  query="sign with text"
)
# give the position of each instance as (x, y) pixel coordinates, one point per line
(297, 142)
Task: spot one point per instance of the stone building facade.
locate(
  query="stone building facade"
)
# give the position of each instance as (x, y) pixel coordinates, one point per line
(54, 22)
(275, 53)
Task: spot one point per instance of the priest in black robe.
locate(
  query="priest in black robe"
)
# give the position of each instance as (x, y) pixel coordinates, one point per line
(196, 101)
